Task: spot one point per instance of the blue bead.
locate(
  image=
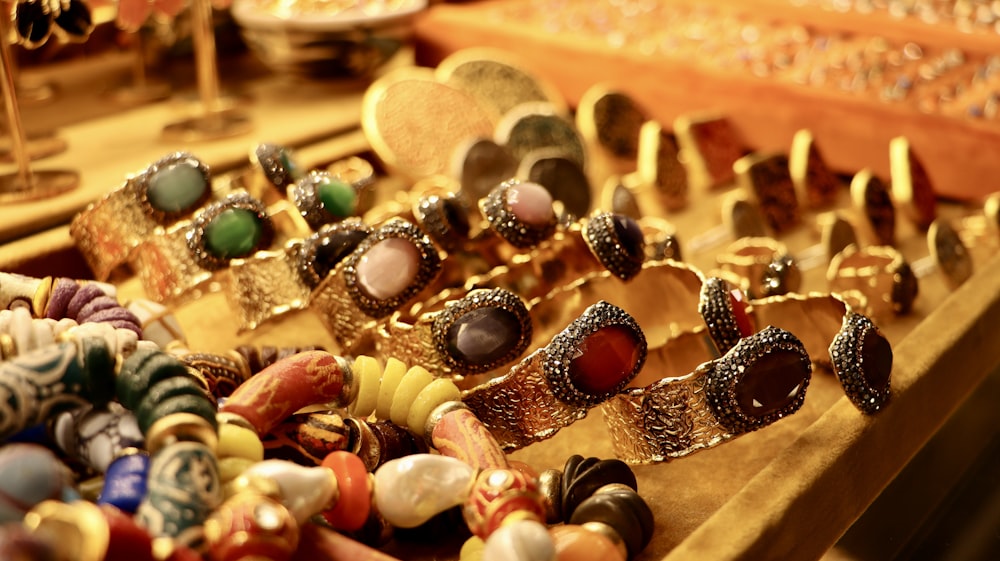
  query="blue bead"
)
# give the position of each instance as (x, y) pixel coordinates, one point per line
(125, 482)
(37, 434)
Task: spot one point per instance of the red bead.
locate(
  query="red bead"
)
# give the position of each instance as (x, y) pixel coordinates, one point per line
(498, 493)
(129, 541)
(460, 434)
(355, 501)
(607, 357)
(281, 389)
(739, 304)
(322, 544)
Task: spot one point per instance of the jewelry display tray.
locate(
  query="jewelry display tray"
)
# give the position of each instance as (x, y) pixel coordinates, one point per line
(788, 491)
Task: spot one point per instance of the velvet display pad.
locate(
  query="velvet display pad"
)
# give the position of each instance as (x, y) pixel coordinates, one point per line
(851, 125)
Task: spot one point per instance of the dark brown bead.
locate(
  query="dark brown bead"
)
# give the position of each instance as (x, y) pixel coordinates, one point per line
(395, 441)
(876, 360)
(582, 478)
(623, 510)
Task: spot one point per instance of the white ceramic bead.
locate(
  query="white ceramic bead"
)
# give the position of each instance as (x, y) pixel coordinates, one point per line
(305, 491)
(411, 490)
(525, 540)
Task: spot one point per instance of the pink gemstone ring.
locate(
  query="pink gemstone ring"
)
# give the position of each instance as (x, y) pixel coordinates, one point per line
(520, 212)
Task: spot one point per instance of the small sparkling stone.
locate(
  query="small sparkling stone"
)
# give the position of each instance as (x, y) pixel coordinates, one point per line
(740, 305)
(629, 235)
(876, 360)
(338, 198)
(771, 383)
(483, 335)
(233, 233)
(388, 268)
(530, 203)
(605, 358)
(176, 187)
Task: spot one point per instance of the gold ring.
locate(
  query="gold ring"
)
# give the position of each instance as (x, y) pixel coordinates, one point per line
(388, 269)
(764, 264)
(881, 274)
(109, 229)
(816, 184)
(761, 380)
(768, 180)
(183, 260)
(589, 361)
(872, 201)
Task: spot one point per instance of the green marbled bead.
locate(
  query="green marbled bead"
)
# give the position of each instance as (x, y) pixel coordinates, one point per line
(338, 198)
(176, 187)
(234, 233)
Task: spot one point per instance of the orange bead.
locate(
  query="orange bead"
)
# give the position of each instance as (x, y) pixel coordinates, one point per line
(576, 543)
(354, 502)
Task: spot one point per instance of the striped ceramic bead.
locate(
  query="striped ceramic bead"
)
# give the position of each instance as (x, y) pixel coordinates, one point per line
(183, 488)
(456, 431)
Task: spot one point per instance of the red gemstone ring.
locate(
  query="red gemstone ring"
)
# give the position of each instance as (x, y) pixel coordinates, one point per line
(592, 359)
(762, 379)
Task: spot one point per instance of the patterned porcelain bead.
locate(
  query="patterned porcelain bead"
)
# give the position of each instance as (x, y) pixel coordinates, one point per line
(183, 488)
(125, 481)
(222, 373)
(305, 491)
(29, 474)
(524, 540)
(498, 493)
(457, 432)
(95, 436)
(411, 490)
(251, 526)
(307, 438)
(290, 384)
(43, 382)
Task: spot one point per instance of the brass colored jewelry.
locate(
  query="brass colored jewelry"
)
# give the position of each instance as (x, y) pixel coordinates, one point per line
(387, 269)
(480, 332)
(273, 169)
(761, 380)
(710, 146)
(604, 241)
(817, 186)
(184, 260)
(949, 253)
(873, 204)
(562, 176)
(322, 198)
(725, 312)
(591, 360)
(109, 230)
(661, 166)
(765, 265)
(609, 122)
(911, 186)
(881, 274)
(520, 213)
(769, 181)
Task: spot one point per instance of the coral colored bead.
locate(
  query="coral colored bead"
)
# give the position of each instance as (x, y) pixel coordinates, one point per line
(460, 434)
(128, 541)
(411, 490)
(576, 543)
(524, 540)
(354, 502)
(286, 386)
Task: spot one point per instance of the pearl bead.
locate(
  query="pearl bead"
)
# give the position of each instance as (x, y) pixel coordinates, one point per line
(525, 540)
(305, 491)
(412, 489)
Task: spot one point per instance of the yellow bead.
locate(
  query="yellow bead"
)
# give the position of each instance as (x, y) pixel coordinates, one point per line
(391, 376)
(472, 549)
(239, 442)
(437, 392)
(416, 379)
(232, 467)
(368, 372)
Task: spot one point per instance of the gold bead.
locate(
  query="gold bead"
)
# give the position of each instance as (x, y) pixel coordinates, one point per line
(610, 533)
(550, 485)
(77, 531)
(179, 427)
